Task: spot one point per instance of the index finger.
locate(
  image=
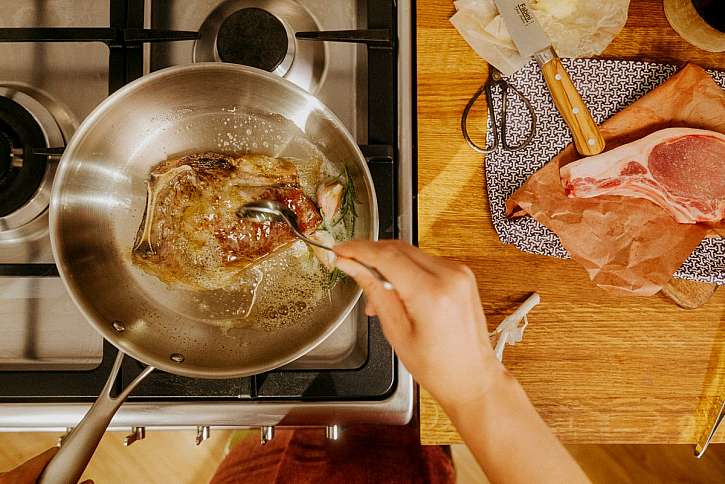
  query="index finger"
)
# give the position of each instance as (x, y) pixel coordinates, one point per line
(392, 262)
(435, 265)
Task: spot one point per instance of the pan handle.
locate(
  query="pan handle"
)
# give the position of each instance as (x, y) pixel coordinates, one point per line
(78, 447)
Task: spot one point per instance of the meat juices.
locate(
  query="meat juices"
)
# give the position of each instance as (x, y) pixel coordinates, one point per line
(680, 169)
(191, 234)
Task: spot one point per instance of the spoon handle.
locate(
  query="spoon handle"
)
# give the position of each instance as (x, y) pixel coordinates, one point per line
(386, 283)
(376, 273)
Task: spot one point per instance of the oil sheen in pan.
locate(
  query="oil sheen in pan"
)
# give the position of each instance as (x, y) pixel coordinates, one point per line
(278, 291)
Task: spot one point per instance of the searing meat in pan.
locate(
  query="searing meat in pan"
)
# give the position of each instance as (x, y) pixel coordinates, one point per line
(190, 233)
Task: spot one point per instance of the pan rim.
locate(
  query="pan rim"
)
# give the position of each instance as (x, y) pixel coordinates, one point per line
(88, 310)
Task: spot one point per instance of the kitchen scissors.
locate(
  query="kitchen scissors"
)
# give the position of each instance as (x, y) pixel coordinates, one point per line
(496, 79)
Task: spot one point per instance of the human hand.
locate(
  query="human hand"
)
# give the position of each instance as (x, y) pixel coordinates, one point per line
(433, 319)
(29, 472)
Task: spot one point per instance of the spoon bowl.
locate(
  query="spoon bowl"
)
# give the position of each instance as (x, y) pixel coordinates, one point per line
(274, 211)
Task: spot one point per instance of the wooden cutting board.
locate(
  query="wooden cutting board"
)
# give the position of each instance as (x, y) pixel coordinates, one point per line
(688, 294)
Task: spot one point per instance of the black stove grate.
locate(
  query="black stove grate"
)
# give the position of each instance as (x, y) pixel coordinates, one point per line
(376, 377)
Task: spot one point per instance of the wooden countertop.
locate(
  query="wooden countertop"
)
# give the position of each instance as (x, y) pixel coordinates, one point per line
(599, 368)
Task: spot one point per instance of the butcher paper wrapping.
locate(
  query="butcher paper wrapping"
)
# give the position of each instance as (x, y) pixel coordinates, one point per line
(628, 245)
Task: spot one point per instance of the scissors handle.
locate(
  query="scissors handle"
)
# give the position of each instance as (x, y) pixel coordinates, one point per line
(485, 88)
(504, 114)
(496, 79)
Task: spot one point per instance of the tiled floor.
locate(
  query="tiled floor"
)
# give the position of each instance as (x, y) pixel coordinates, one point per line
(166, 457)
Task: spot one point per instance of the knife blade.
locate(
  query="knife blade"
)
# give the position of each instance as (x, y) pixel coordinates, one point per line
(531, 40)
(704, 442)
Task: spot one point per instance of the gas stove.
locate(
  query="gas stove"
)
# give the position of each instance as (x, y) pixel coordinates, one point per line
(58, 60)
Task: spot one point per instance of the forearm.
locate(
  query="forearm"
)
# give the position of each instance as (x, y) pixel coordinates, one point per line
(509, 439)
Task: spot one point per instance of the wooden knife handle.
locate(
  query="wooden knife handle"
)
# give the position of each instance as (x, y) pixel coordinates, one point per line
(587, 138)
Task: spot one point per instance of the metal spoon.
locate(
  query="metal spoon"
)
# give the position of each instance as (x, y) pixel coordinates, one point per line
(271, 210)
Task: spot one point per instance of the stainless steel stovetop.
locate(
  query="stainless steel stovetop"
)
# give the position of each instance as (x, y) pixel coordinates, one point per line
(59, 83)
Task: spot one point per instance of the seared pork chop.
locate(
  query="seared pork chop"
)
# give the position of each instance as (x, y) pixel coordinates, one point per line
(190, 233)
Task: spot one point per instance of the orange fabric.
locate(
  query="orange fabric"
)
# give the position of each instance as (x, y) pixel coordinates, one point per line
(369, 454)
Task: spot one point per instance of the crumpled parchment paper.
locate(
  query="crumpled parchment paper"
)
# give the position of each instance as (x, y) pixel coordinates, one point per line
(577, 28)
(628, 245)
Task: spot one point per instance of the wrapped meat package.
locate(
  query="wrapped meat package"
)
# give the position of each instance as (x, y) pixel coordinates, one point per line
(631, 243)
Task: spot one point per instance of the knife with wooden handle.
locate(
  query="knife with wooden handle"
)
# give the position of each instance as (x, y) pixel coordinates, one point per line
(531, 40)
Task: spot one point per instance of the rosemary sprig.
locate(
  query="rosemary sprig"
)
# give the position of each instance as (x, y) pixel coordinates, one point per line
(347, 215)
(348, 210)
(333, 277)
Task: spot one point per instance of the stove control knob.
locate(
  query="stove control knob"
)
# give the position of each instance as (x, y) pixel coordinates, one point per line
(332, 432)
(202, 433)
(266, 434)
(137, 433)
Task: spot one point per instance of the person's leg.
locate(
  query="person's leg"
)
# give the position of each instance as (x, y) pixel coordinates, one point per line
(363, 454)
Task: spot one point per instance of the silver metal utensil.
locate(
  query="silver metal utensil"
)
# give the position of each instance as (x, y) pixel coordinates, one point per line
(91, 194)
(271, 210)
(531, 40)
(703, 444)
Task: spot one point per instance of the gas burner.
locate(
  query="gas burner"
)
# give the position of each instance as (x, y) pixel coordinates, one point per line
(261, 34)
(256, 38)
(29, 120)
(20, 171)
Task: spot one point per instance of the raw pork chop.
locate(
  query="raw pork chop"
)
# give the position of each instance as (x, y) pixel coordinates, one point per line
(191, 234)
(680, 169)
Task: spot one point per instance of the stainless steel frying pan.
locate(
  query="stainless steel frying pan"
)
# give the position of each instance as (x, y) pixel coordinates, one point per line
(98, 201)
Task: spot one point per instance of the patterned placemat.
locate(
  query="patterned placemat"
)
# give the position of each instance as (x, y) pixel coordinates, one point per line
(607, 86)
